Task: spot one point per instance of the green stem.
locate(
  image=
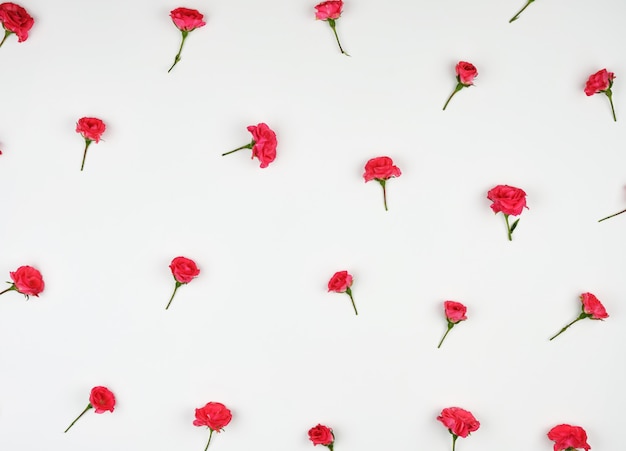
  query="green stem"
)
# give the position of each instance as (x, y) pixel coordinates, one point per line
(11, 288)
(383, 183)
(454, 437)
(89, 406)
(178, 284)
(87, 143)
(450, 326)
(247, 146)
(349, 292)
(609, 94)
(508, 227)
(459, 86)
(331, 22)
(209, 442)
(521, 11)
(6, 35)
(177, 58)
(582, 316)
(608, 217)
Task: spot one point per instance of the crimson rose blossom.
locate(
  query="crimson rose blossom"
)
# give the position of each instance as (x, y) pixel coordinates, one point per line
(591, 308)
(91, 129)
(15, 19)
(567, 437)
(26, 280)
(465, 74)
(322, 435)
(341, 282)
(381, 169)
(186, 20)
(213, 415)
(184, 271)
(263, 144)
(509, 201)
(330, 12)
(101, 399)
(601, 81)
(460, 422)
(514, 18)
(455, 313)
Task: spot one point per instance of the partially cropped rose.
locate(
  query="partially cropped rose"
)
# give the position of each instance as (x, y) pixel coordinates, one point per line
(101, 399)
(184, 271)
(330, 11)
(186, 20)
(460, 422)
(465, 74)
(263, 144)
(591, 308)
(455, 313)
(601, 81)
(381, 169)
(26, 280)
(509, 201)
(341, 282)
(213, 415)
(322, 435)
(91, 129)
(15, 19)
(568, 437)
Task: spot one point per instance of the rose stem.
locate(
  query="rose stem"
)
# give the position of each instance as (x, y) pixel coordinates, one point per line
(608, 217)
(508, 228)
(6, 35)
(209, 442)
(331, 22)
(8, 289)
(349, 291)
(178, 284)
(177, 58)
(521, 11)
(582, 316)
(609, 94)
(459, 86)
(247, 146)
(450, 326)
(87, 143)
(454, 437)
(383, 183)
(89, 406)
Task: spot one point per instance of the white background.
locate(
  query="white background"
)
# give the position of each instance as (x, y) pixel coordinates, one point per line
(257, 329)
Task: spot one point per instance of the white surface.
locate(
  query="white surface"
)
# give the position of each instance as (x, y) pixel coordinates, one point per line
(257, 330)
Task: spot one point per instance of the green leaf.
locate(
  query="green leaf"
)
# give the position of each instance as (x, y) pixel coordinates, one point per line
(514, 225)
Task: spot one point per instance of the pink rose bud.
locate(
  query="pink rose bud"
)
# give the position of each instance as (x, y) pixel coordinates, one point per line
(509, 201)
(592, 308)
(27, 281)
(213, 415)
(567, 437)
(91, 129)
(330, 12)
(322, 435)
(186, 20)
(341, 282)
(101, 399)
(455, 313)
(263, 144)
(381, 169)
(465, 74)
(460, 422)
(184, 271)
(601, 81)
(15, 19)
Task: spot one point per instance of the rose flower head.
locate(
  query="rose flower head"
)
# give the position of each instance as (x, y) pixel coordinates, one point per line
(263, 144)
(26, 280)
(341, 282)
(567, 437)
(465, 74)
(186, 20)
(381, 169)
(91, 129)
(322, 435)
(601, 81)
(460, 422)
(455, 313)
(330, 11)
(592, 308)
(213, 415)
(101, 399)
(15, 19)
(184, 271)
(509, 201)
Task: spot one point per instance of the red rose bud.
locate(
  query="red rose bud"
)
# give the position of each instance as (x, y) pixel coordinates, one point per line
(330, 12)
(186, 20)
(91, 129)
(184, 271)
(567, 437)
(322, 435)
(455, 313)
(465, 74)
(263, 144)
(510, 201)
(460, 422)
(381, 169)
(101, 399)
(341, 282)
(15, 19)
(591, 308)
(514, 18)
(213, 415)
(601, 81)
(27, 281)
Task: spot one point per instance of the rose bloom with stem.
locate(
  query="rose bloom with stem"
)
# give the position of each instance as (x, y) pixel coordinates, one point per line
(329, 12)
(591, 308)
(213, 415)
(101, 399)
(186, 20)
(460, 423)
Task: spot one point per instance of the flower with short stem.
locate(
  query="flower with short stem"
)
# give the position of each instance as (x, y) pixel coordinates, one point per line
(186, 20)
(263, 144)
(465, 74)
(514, 18)
(591, 308)
(184, 270)
(612, 216)
(330, 11)
(341, 282)
(101, 399)
(455, 313)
